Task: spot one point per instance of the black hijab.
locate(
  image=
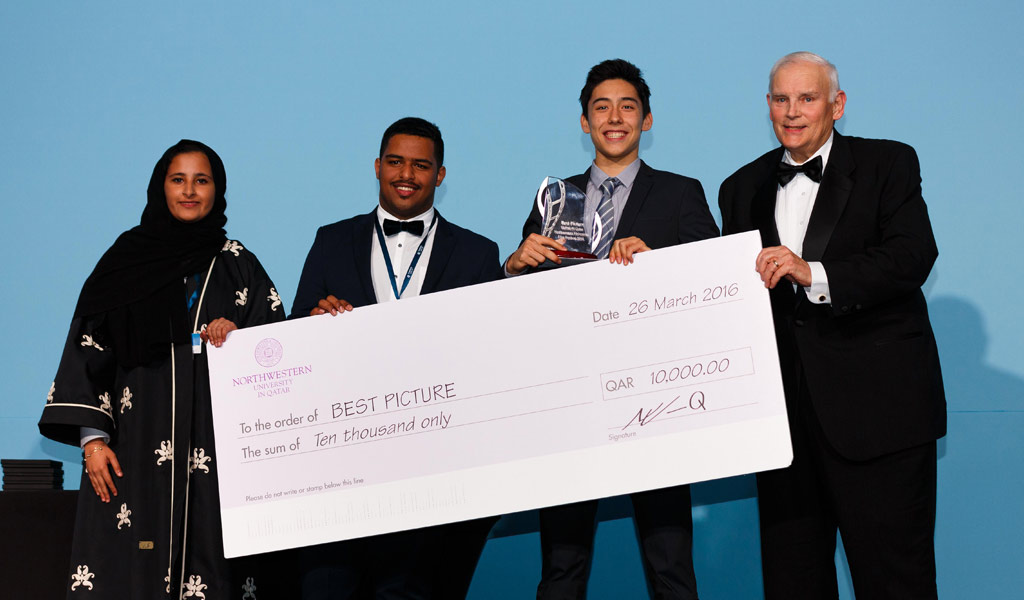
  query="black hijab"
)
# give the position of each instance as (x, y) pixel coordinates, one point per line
(137, 288)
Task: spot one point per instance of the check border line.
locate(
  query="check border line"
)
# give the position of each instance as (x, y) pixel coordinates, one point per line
(675, 360)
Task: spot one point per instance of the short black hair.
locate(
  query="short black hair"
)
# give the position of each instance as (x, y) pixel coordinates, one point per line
(418, 127)
(616, 68)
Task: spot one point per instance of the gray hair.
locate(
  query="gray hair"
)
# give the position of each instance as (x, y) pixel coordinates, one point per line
(795, 57)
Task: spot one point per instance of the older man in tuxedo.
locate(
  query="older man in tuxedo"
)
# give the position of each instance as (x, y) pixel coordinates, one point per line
(847, 247)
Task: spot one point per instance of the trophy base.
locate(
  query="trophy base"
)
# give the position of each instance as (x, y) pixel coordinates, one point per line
(573, 254)
(569, 258)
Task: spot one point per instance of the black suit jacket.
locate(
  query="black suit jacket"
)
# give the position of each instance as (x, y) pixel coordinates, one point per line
(339, 262)
(869, 359)
(663, 209)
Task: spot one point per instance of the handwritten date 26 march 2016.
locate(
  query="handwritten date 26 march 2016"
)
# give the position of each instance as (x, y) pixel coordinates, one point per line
(647, 307)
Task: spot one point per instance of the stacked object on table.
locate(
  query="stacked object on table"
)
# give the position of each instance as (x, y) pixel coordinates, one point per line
(32, 475)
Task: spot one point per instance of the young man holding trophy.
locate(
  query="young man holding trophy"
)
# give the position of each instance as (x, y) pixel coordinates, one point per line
(618, 207)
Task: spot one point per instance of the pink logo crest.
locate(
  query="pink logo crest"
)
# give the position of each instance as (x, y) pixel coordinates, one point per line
(269, 352)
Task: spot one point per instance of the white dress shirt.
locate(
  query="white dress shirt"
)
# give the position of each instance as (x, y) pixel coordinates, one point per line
(793, 205)
(402, 249)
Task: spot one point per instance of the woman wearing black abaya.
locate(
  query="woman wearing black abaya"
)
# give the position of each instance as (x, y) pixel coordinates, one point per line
(133, 390)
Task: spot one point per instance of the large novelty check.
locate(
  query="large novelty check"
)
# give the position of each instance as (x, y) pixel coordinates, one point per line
(576, 383)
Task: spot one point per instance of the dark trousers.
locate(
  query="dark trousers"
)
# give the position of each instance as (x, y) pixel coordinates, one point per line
(421, 564)
(665, 530)
(884, 509)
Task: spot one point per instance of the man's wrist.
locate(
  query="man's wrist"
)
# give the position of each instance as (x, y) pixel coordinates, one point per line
(508, 269)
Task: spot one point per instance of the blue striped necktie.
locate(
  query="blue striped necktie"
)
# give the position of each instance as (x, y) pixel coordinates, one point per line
(606, 216)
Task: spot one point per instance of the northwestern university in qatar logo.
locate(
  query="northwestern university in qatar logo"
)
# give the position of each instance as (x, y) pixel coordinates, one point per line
(268, 352)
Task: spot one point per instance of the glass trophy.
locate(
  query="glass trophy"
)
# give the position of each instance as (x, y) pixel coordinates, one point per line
(561, 205)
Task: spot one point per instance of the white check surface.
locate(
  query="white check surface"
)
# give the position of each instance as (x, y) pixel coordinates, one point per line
(576, 383)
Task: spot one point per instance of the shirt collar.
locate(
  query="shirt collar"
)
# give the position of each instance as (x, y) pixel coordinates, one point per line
(823, 152)
(626, 177)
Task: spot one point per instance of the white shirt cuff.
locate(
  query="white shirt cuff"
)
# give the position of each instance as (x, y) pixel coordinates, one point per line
(89, 434)
(818, 292)
(504, 267)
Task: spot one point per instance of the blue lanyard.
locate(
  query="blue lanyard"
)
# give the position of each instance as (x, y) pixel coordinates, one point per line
(387, 257)
(195, 294)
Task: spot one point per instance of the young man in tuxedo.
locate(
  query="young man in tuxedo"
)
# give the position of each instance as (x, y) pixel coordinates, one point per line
(641, 209)
(401, 248)
(848, 245)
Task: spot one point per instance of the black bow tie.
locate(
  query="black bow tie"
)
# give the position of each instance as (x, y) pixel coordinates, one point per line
(812, 168)
(391, 227)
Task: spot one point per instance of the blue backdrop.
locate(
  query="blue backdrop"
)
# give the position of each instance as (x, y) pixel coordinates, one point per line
(295, 98)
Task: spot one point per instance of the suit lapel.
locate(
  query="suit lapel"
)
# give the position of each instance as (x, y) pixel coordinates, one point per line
(634, 203)
(762, 213)
(581, 180)
(362, 244)
(833, 193)
(440, 252)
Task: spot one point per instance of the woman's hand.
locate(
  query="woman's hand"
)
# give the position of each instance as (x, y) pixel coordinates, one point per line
(99, 459)
(217, 331)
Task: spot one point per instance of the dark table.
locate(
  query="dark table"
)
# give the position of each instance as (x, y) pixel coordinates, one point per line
(35, 543)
